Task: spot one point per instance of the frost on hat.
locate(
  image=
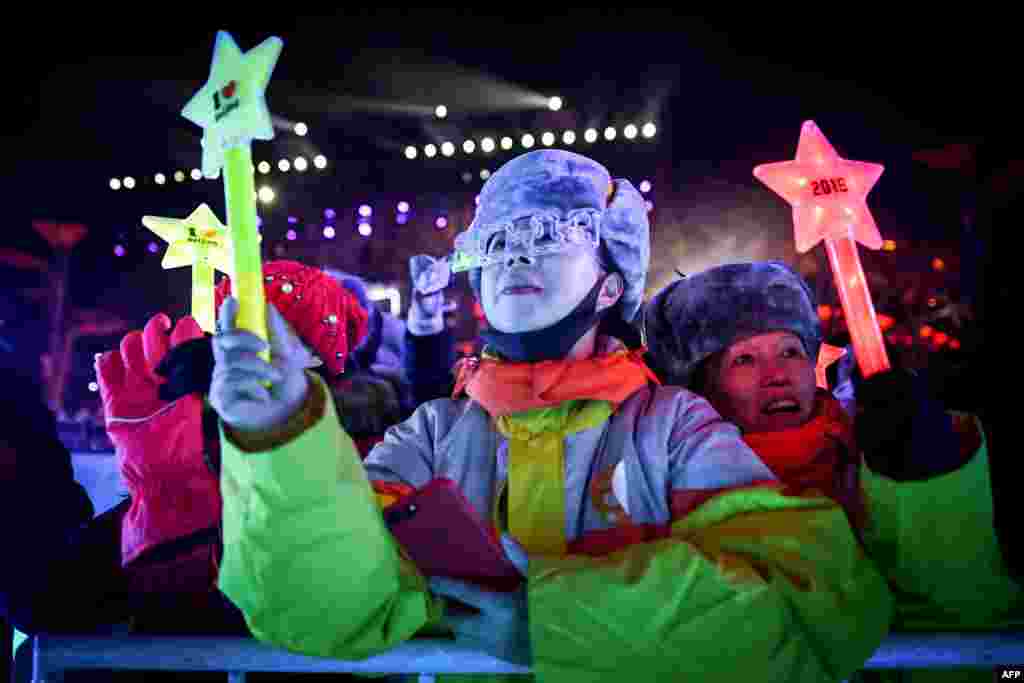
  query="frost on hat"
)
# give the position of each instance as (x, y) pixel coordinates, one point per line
(555, 177)
(700, 315)
(324, 314)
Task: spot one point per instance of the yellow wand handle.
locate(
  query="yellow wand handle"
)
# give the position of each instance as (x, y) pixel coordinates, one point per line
(202, 295)
(247, 280)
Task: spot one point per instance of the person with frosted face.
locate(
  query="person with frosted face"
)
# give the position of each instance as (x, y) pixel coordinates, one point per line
(653, 542)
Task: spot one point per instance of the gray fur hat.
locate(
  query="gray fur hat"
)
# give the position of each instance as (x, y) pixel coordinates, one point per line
(700, 315)
(569, 180)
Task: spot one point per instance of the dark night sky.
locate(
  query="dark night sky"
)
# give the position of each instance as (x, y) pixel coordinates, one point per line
(101, 96)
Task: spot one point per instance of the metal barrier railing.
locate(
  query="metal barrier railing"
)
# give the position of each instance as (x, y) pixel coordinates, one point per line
(53, 655)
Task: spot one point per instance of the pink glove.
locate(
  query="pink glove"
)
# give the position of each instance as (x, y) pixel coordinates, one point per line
(159, 444)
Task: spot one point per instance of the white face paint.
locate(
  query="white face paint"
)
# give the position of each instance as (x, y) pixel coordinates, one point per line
(525, 293)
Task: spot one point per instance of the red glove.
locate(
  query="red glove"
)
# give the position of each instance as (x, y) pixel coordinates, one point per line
(159, 443)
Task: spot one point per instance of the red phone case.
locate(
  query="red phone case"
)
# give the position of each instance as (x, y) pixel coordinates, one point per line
(444, 536)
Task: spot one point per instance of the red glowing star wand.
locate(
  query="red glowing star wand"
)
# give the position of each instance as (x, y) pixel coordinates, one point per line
(829, 199)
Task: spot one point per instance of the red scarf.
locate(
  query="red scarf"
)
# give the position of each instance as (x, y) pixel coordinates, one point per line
(820, 454)
(504, 388)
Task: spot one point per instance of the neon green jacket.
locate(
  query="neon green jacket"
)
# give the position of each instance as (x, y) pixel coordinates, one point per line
(935, 542)
(751, 584)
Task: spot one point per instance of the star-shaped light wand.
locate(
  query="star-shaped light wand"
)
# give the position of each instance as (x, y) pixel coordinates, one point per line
(200, 241)
(232, 110)
(829, 199)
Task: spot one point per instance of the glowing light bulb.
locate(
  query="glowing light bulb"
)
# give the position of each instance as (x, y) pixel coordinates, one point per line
(266, 195)
(264, 167)
(629, 131)
(179, 176)
(301, 129)
(284, 165)
(430, 151)
(441, 223)
(301, 164)
(291, 235)
(568, 137)
(527, 141)
(487, 145)
(93, 387)
(410, 152)
(485, 174)
(160, 178)
(365, 211)
(609, 133)
(115, 184)
(403, 207)
(590, 135)
(548, 139)
(118, 250)
(153, 248)
(447, 149)
(320, 161)
(365, 229)
(507, 142)
(649, 130)
(468, 146)
(441, 111)
(196, 174)
(329, 232)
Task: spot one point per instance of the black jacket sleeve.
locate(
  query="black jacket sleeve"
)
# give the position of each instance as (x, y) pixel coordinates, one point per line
(61, 569)
(429, 360)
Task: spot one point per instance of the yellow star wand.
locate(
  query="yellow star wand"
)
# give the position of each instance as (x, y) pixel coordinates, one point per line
(202, 242)
(232, 110)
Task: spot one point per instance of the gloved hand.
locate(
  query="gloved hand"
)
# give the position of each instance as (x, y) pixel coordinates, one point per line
(159, 443)
(428, 306)
(237, 391)
(499, 626)
(902, 430)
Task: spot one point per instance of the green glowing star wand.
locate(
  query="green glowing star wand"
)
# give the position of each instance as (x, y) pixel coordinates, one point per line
(232, 110)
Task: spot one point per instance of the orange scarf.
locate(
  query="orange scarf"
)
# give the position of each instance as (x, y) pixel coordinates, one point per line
(505, 388)
(819, 455)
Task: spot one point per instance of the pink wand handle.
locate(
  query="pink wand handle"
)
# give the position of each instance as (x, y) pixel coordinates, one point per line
(858, 308)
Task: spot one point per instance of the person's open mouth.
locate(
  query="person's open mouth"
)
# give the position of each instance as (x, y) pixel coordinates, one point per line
(778, 406)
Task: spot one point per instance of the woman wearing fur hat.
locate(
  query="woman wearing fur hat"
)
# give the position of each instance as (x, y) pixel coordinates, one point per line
(687, 585)
(913, 478)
